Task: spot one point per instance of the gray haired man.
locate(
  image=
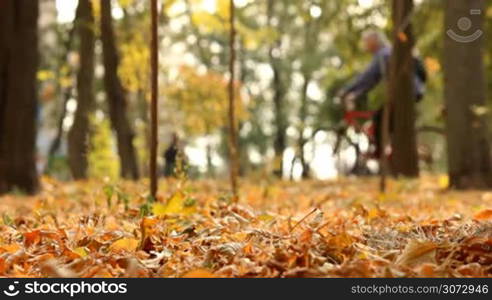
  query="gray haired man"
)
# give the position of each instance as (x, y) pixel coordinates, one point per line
(375, 42)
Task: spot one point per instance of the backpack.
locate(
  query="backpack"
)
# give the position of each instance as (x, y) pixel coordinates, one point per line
(420, 70)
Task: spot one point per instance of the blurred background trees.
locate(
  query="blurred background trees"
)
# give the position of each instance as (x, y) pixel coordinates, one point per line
(292, 57)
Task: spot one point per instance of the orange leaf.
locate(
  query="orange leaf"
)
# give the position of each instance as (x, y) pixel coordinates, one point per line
(306, 236)
(32, 237)
(248, 249)
(427, 270)
(3, 266)
(124, 244)
(12, 248)
(483, 215)
(199, 273)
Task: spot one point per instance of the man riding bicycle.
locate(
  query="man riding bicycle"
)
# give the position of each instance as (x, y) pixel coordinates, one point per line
(376, 43)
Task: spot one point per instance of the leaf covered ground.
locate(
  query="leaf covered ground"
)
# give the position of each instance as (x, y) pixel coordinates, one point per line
(342, 228)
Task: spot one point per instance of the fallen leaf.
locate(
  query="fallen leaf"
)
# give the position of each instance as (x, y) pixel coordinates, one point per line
(177, 204)
(124, 244)
(81, 251)
(417, 252)
(199, 273)
(31, 238)
(483, 215)
(444, 181)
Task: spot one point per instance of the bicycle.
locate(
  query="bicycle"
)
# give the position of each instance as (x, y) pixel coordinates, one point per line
(356, 132)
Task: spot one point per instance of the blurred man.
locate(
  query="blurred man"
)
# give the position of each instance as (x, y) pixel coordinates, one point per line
(375, 42)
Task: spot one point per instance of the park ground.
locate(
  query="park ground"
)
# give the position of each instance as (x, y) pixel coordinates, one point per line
(342, 228)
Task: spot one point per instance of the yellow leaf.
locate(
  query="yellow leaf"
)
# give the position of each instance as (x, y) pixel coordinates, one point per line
(124, 244)
(373, 213)
(265, 218)
(81, 251)
(432, 65)
(382, 197)
(45, 75)
(176, 205)
(444, 182)
(125, 3)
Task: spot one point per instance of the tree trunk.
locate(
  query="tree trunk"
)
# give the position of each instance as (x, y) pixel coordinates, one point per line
(210, 164)
(301, 142)
(78, 137)
(66, 96)
(143, 114)
(116, 97)
(279, 91)
(154, 79)
(233, 140)
(18, 97)
(465, 93)
(280, 141)
(401, 93)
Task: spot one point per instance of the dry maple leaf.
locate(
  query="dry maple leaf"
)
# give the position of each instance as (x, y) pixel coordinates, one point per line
(417, 252)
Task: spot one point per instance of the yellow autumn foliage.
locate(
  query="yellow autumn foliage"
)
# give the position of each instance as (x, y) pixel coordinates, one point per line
(203, 100)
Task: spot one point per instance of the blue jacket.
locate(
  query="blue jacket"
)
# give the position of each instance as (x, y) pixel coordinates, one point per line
(375, 72)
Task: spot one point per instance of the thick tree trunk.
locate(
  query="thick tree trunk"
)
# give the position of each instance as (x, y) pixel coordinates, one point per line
(116, 96)
(18, 97)
(78, 137)
(465, 93)
(401, 93)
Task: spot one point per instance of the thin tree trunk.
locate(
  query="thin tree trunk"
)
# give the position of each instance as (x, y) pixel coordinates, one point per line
(18, 97)
(280, 140)
(66, 95)
(143, 113)
(116, 96)
(233, 145)
(210, 164)
(465, 93)
(302, 116)
(154, 62)
(401, 90)
(78, 137)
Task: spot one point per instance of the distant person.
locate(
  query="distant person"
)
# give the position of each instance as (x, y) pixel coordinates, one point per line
(171, 156)
(375, 42)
